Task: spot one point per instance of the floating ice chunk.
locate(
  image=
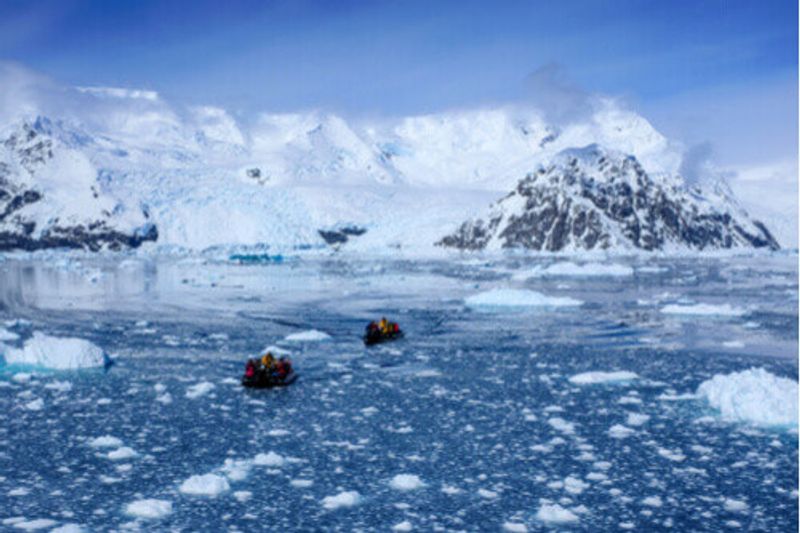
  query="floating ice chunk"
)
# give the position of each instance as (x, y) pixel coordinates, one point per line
(450, 490)
(652, 501)
(637, 419)
(755, 396)
(22, 377)
(59, 353)
(269, 459)
(488, 494)
(121, 453)
(735, 506)
(555, 514)
(165, 398)
(406, 482)
(278, 433)
(591, 378)
(312, 335)
(236, 470)
(6, 335)
(518, 298)
(68, 528)
(205, 485)
(665, 397)
(672, 455)
(35, 525)
(733, 344)
(618, 431)
(405, 525)
(568, 428)
(35, 405)
(568, 269)
(515, 527)
(343, 499)
(301, 483)
(106, 441)
(242, 495)
(703, 310)
(20, 491)
(149, 508)
(574, 485)
(200, 389)
(59, 386)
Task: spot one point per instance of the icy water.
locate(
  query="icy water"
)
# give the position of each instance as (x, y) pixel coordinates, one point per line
(469, 423)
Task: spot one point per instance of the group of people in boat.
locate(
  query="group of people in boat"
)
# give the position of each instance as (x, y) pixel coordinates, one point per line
(267, 371)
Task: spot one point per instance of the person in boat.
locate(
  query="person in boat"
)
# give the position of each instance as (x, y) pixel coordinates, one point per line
(250, 368)
(384, 325)
(268, 361)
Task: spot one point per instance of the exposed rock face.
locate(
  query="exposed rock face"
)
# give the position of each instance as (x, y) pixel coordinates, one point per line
(341, 235)
(28, 222)
(596, 199)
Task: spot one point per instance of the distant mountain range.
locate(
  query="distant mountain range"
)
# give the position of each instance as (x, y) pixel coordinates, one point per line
(143, 173)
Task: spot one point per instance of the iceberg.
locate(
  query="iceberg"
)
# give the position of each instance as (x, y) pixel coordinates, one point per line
(58, 353)
(754, 396)
(518, 298)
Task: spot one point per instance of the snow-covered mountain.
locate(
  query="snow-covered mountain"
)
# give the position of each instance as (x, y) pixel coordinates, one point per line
(120, 168)
(50, 197)
(592, 198)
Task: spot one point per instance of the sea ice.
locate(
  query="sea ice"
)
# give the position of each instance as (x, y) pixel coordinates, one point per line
(106, 441)
(590, 378)
(755, 396)
(703, 310)
(618, 431)
(200, 389)
(269, 459)
(149, 508)
(59, 353)
(406, 482)
(311, 335)
(343, 499)
(569, 269)
(518, 298)
(35, 525)
(205, 485)
(405, 525)
(122, 453)
(556, 514)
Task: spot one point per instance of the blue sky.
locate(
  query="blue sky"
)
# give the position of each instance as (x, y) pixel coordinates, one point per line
(669, 59)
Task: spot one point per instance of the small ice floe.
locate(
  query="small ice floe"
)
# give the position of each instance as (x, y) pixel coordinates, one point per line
(652, 501)
(35, 405)
(311, 335)
(755, 396)
(734, 506)
(618, 431)
(301, 483)
(6, 335)
(569, 269)
(278, 433)
(554, 513)
(22, 377)
(406, 482)
(200, 389)
(518, 298)
(672, 455)
(35, 525)
(515, 527)
(487, 494)
(574, 485)
(637, 419)
(703, 310)
(59, 386)
(121, 454)
(343, 499)
(58, 353)
(559, 424)
(429, 373)
(242, 495)
(106, 441)
(68, 528)
(592, 378)
(450, 490)
(733, 344)
(405, 525)
(269, 459)
(149, 508)
(205, 485)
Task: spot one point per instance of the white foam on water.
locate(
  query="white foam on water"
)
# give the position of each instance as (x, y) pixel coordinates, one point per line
(205, 485)
(149, 508)
(703, 310)
(518, 298)
(57, 353)
(592, 378)
(753, 396)
(343, 499)
(311, 335)
(406, 482)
